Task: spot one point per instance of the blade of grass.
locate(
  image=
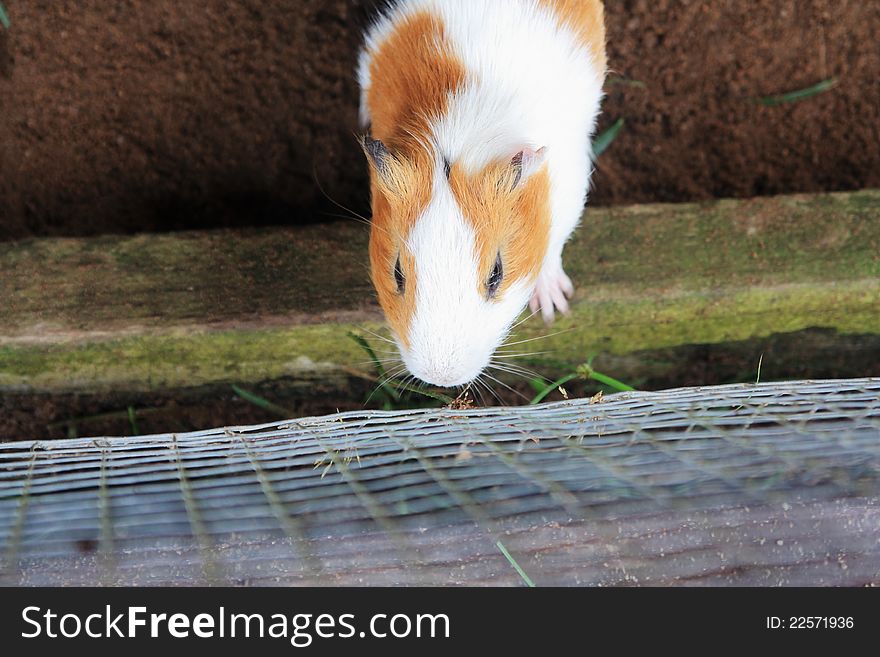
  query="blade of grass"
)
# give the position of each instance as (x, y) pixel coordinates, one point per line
(537, 384)
(800, 94)
(380, 370)
(588, 372)
(603, 141)
(552, 386)
(133, 421)
(111, 415)
(760, 360)
(522, 573)
(4, 18)
(265, 404)
(439, 396)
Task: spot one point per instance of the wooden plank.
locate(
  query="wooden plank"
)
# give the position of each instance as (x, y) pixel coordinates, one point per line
(755, 484)
(751, 484)
(159, 310)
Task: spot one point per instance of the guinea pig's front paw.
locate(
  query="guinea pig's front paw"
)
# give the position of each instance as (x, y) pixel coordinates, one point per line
(551, 291)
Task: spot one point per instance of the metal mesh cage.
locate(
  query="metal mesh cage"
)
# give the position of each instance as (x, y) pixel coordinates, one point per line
(745, 484)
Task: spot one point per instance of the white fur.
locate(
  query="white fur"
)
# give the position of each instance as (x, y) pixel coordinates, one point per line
(445, 346)
(532, 85)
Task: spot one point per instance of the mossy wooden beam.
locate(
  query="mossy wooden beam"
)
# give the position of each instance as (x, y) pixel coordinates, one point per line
(154, 311)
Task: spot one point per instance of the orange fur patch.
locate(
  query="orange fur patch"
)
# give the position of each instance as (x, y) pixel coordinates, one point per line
(587, 19)
(394, 215)
(512, 222)
(412, 73)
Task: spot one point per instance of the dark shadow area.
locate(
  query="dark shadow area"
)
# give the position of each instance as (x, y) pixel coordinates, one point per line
(809, 354)
(6, 61)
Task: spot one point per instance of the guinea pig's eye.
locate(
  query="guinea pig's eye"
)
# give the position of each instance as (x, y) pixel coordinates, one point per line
(398, 276)
(495, 278)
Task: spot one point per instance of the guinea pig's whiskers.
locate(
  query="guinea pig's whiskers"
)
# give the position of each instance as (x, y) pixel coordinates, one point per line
(384, 381)
(385, 359)
(519, 373)
(390, 358)
(386, 374)
(494, 394)
(525, 319)
(501, 383)
(387, 354)
(407, 383)
(374, 391)
(377, 336)
(508, 359)
(516, 370)
(391, 376)
(475, 387)
(352, 213)
(540, 337)
(482, 385)
(333, 215)
(520, 354)
(480, 391)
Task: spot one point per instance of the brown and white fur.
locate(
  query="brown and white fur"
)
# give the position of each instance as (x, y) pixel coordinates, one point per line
(479, 114)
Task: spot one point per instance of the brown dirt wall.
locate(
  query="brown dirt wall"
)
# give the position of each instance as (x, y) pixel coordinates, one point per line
(122, 116)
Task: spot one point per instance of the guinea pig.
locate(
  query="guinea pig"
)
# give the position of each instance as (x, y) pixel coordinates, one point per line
(478, 116)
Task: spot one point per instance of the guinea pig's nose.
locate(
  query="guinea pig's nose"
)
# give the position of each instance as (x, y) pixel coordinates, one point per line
(438, 377)
(445, 375)
(444, 367)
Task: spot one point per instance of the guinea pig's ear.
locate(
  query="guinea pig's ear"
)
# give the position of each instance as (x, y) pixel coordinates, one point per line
(378, 155)
(526, 162)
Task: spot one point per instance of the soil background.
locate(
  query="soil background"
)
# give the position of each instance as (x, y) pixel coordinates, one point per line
(122, 116)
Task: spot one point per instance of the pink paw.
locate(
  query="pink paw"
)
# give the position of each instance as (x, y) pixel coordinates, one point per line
(551, 292)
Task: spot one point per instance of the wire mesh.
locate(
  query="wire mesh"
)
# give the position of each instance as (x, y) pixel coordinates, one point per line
(745, 484)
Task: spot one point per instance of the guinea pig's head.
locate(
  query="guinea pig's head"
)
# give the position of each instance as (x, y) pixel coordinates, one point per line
(454, 253)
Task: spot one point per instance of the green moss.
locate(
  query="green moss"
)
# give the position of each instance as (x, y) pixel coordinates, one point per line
(621, 326)
(731, 243)
(324, 352)
(175, 359)
(155, 311)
